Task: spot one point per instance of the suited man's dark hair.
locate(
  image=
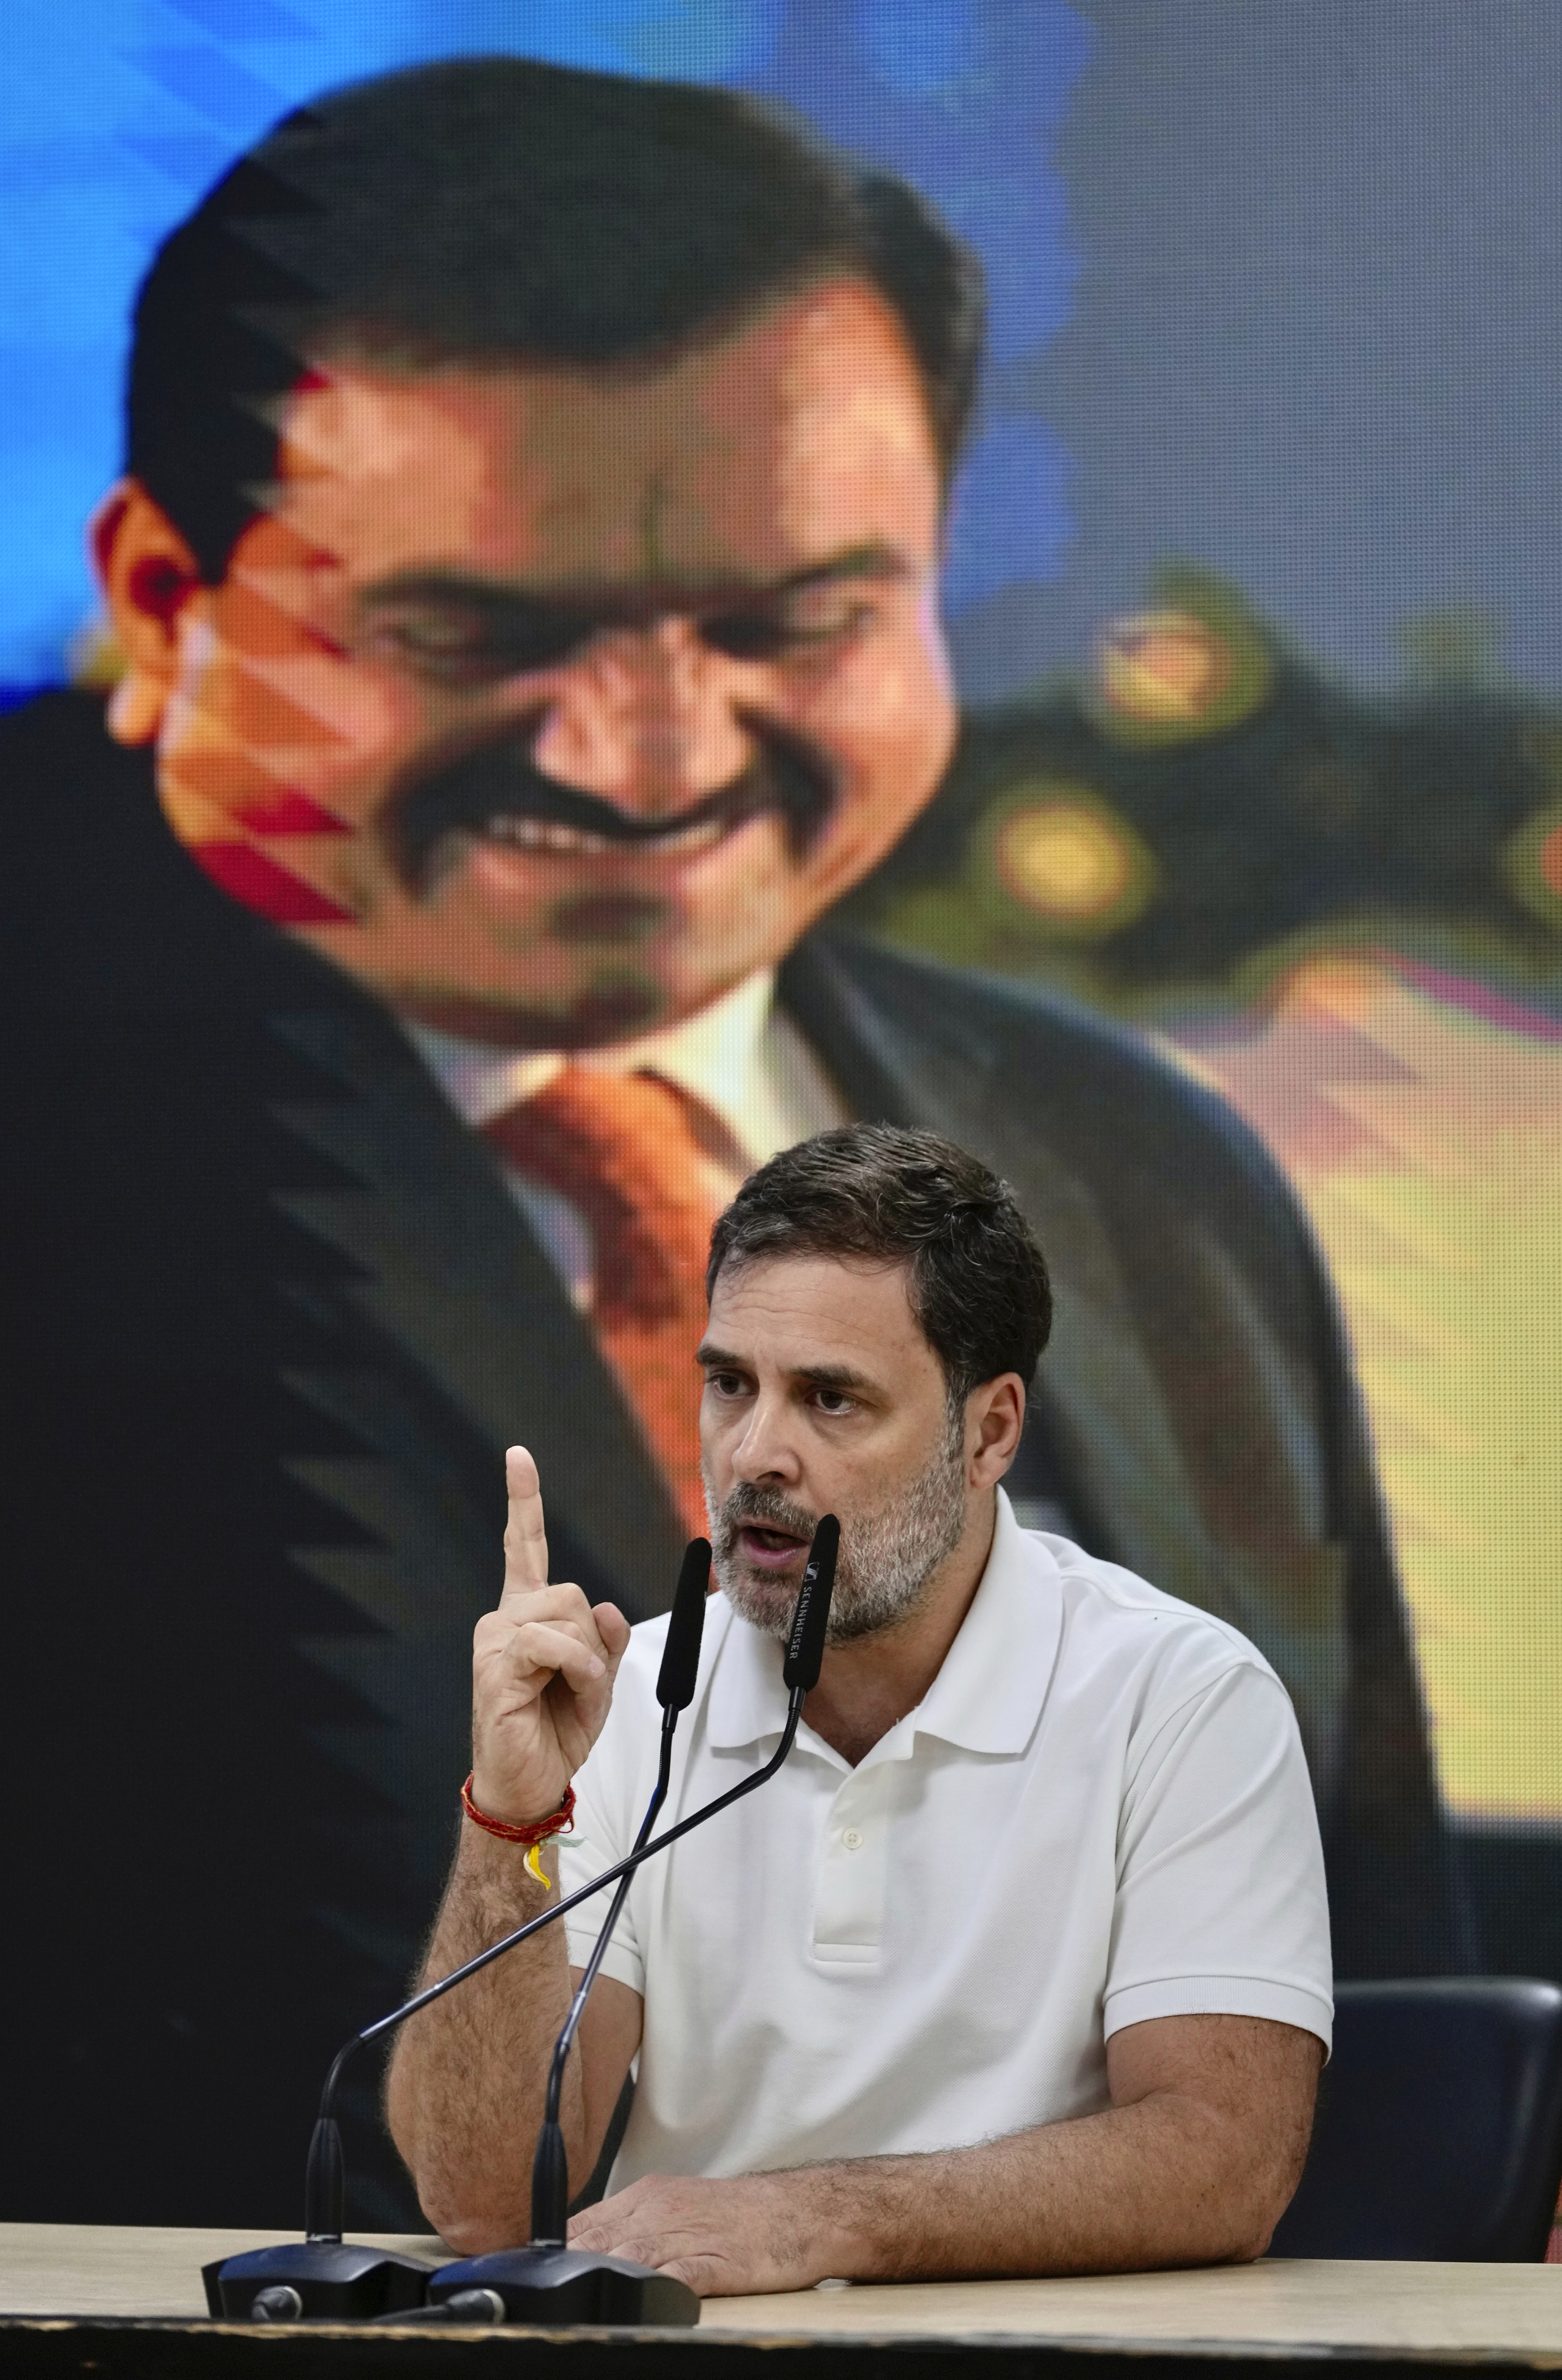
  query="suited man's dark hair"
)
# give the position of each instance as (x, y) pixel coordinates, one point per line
(977, 1279)
(493, 211)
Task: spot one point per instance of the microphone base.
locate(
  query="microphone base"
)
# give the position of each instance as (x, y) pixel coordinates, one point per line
(335, 2280)
(554, 2287)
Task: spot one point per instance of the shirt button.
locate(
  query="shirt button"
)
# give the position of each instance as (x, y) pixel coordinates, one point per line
(852, 1838)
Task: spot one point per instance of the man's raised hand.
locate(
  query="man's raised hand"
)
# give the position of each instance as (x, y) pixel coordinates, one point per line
(542, 1670)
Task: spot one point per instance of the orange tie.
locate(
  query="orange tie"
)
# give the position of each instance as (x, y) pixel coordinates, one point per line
(650, 1168)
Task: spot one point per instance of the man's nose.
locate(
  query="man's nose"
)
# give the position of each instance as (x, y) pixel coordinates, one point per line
(646, 719)
(765, 1450)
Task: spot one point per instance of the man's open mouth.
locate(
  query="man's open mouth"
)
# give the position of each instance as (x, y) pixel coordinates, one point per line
(496, 794)
(773, 1541)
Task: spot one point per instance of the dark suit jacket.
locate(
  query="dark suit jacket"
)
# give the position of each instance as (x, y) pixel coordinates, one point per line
(270, 1318)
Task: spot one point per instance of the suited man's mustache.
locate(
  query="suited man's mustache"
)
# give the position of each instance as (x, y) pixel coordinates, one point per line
(496, 794)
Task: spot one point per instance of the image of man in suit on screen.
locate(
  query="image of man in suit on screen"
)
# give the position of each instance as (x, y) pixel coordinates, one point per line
(526, 573)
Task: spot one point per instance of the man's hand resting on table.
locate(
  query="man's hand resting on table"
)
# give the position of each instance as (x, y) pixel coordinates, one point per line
(1194, 2164)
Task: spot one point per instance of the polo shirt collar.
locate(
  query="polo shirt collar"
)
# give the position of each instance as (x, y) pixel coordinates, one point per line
(748, 1698)
(987, 1697)
(988, 1694)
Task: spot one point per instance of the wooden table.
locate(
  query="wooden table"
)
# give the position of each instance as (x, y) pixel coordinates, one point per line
(121, 2303)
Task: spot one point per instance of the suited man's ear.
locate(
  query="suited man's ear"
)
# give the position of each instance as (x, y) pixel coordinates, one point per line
(148, 575)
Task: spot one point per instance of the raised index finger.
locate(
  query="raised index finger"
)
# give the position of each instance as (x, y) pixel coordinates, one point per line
(525, 1538)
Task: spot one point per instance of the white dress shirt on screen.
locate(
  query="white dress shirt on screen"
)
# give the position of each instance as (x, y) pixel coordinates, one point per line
(743, 1056)
(1099, 1814)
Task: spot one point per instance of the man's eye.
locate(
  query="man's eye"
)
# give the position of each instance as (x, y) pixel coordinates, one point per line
(462, 649)
(437, 644)
(726, 1384)
(814, 617)
(833, 1401)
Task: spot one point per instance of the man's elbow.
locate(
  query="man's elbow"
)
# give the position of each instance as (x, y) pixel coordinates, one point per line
(1260, 2152)
(1236, 2229)
(470, 2220)
(470, 2229)
(1235, 2185)
(1258, 2207)
(1250, 2240)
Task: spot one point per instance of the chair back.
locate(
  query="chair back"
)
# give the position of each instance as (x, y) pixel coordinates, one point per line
(1439, 2125)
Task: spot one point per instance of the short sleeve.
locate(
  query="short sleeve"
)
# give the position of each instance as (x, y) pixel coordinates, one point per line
(603, 1833)
(1222, 1907)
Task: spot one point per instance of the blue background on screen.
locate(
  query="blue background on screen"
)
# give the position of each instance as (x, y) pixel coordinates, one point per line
(116, 116)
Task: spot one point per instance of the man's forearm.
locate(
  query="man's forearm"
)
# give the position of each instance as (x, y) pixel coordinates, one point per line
(1165, 2181)
(463, 2095)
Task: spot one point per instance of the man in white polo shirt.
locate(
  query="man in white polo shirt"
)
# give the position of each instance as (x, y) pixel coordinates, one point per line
(1021, 1963)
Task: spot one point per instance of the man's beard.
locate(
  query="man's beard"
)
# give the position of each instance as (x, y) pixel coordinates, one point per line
(887, 1557)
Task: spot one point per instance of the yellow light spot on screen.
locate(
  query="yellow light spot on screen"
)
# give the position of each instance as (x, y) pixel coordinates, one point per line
(1068, 860)
(1165, 667)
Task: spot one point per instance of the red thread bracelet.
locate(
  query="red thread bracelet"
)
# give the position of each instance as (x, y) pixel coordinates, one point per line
(559, 1823)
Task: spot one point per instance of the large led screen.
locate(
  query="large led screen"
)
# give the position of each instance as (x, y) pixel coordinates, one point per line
(1138, 757)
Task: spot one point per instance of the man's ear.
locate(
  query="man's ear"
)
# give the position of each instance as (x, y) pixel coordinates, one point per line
(147, 574)
(997, 1413)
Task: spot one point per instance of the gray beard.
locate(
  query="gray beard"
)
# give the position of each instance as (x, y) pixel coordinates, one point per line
(887, 1557)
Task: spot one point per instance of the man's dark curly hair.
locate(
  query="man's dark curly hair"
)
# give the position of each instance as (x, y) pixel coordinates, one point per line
(978, 1282)
(497, 211)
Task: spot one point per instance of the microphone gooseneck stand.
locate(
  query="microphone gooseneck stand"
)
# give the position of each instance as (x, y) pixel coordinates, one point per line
(328, 2277)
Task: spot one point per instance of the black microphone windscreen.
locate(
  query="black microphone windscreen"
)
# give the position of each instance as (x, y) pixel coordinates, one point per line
(680, 1656)
(804, 1646)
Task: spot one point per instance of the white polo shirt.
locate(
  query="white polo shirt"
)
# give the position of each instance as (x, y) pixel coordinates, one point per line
(1099, 1814)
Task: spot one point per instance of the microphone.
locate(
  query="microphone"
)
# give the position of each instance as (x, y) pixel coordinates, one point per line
(810, 1617)
(675, 1691)
(332, 2278)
